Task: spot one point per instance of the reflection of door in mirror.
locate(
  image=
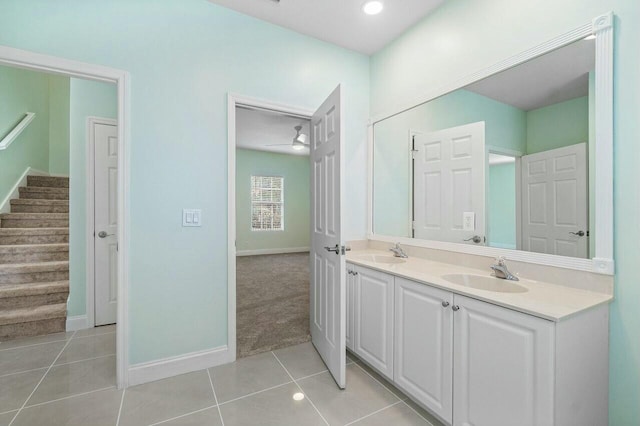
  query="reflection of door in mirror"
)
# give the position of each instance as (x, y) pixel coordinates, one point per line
(555, 201)
(449, 184)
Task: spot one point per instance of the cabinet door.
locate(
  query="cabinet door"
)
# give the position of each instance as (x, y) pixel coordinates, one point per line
(373, 324)
(350, 305)
(503, 366)
(423, 345)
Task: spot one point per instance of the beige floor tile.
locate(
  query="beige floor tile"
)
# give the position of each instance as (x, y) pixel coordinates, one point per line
(273, 407)
(29, 358)
(162, 400)
(6, 418)
(16, 388)
(362, 396)
(72, 379)
(424, 413)
(383, 380)
(208, 417)
(88, 347)
(397, 415)
(94, 409)
(95, 331)
(247, 375)
(301, 360)
(36, 340)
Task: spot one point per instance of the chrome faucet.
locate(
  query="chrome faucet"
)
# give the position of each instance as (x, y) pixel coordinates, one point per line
(500, 270)
(398, 252)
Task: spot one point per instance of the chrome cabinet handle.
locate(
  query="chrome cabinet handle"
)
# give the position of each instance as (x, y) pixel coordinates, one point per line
(579, 233)
(445, 303)
(455, 307)
(103, 234)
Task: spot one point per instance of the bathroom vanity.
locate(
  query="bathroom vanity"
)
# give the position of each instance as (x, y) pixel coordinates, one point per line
(476, 350)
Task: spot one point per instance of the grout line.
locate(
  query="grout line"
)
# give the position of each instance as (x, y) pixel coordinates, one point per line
(299, 387)
(255, 393)
(121, 404)
(312, 375)
(83, 360)
(7, 412)
(69, 397)
(41, 379)
(380, 383)
(24, 371)
(415, 411)
(215, 397)
(33, 344)
(94, 335)
(181, 416)
(375, 412)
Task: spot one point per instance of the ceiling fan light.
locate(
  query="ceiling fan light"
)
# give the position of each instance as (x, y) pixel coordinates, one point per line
(298, 146)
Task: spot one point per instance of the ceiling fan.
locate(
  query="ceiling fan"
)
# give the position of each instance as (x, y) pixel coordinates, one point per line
(299, 140)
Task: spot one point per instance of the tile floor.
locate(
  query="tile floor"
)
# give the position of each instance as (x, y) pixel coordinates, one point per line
(69, 379)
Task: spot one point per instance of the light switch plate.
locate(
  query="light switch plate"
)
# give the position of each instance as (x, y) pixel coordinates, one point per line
(191, 217)
(468, 221)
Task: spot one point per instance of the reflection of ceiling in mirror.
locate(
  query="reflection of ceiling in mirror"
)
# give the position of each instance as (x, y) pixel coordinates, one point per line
(556, 77)
(269, 131)
(496, 159)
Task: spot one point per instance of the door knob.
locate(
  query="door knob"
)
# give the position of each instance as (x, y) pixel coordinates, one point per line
(579, 233)
(103, 234)
(476, 239)
(335, 249)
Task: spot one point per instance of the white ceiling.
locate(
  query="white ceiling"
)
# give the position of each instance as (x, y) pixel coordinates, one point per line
(257, 129)
(555, 77)
(341, 22)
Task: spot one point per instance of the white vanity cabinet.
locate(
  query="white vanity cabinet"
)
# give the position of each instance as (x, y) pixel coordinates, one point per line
(503, 372)
(373, 306)
(424, 345)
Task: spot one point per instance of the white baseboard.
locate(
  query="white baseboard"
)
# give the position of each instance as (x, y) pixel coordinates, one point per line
(78, 322)
(58, 175)
(173, 366)
(272, 251)
(5, 206)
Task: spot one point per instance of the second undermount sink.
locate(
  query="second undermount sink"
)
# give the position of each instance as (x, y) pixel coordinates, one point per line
(379, 258)
(481, 282)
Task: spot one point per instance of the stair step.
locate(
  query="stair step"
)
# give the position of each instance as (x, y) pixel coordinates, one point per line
(21, 205)
(48, 181)
(14, 296)
(43, 192)
(32, 321)
(19, 273)
(34, 220)
(12, 236)
(32, 253)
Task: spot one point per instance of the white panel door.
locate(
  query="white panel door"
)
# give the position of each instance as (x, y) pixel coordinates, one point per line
(424, 345)
(449, 180)
(503, 366)
(328, 269)
(106, 225)
(373, 324)
(555, 202)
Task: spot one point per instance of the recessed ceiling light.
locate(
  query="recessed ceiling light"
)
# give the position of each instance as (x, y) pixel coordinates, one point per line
(372, 7)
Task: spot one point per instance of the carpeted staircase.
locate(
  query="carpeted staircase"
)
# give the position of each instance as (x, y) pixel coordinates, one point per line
(34, 259)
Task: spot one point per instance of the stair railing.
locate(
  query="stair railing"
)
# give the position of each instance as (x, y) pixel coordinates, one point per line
(19, 128)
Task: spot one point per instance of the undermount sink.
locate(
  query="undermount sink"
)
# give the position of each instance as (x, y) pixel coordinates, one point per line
(481, 282)
(379, 258)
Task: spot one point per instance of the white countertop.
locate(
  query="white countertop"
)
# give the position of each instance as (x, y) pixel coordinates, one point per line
(549, 301)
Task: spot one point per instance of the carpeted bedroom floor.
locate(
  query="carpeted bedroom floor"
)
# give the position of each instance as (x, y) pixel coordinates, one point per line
(272, 302)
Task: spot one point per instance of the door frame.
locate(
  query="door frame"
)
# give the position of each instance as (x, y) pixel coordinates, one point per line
(24, 59)
(90, 217)
(234, 100)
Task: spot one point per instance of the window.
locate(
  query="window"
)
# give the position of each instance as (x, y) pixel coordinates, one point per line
(267, 203)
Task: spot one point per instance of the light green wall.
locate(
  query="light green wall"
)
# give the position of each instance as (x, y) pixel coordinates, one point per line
(461, 36)
(295, 170)
(21, 92)
(86, 98)
(59, 125)
(505, 127)
(501, 203)
(184, 56)
(558, 125)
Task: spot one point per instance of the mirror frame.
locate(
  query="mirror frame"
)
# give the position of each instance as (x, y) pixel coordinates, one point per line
(602, 262)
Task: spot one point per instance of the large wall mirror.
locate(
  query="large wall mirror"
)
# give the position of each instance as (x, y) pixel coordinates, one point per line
(507, 161)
